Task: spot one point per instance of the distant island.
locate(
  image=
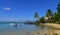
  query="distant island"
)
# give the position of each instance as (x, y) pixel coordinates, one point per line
(29, 22)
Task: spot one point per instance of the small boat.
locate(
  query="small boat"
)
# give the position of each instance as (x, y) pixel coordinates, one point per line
(13, 24)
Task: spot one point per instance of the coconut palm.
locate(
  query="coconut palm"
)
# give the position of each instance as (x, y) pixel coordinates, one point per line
(36, 15)
(49, 13)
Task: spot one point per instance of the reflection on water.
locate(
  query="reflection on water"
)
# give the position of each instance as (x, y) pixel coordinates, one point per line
(23, 29)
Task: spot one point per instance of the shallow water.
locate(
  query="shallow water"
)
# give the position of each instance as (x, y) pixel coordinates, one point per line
(23, 29)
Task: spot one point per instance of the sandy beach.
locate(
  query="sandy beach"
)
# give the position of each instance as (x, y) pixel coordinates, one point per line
(52, 25)
(53, 31)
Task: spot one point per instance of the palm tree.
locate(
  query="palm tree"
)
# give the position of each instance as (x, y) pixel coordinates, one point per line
(49, 14)
(36, 15)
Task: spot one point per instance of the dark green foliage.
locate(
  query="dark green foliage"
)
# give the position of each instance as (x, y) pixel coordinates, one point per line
(52, 17)
(49, 13)
(41, 20)
(58, 12)
(55, 14)
(36, 15)
(55, 18)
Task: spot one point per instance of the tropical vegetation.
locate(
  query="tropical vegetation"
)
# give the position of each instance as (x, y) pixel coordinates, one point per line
(49, 17)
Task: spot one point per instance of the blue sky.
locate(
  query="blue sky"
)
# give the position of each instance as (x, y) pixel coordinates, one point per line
(21, 10)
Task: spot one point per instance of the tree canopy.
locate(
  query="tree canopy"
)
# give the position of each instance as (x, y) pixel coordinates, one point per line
(49, 13)
(36, 15)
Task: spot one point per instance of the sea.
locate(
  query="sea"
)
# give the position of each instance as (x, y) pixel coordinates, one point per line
(24, 29)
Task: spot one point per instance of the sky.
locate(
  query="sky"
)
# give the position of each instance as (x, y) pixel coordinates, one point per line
(22, 10)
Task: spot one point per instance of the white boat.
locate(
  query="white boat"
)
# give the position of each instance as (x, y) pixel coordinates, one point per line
(13, 24)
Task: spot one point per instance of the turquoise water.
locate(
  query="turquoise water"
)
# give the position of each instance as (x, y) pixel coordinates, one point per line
(21, 29)
(20, 26)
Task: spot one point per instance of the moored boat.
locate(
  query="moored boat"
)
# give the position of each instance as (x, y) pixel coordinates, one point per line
(13, 24)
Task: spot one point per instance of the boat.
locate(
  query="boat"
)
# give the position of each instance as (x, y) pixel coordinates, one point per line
(13, 24)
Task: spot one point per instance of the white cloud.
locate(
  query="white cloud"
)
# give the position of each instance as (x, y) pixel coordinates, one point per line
(7, 8)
